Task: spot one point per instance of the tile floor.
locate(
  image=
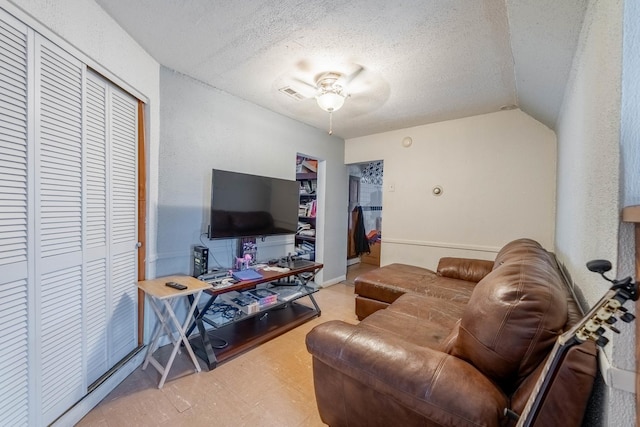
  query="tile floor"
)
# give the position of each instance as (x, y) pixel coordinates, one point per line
(271, 385)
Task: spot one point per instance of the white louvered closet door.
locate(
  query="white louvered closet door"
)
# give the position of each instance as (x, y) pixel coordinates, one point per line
(68, 227)
(14, 231)
(58, 228)
(111, 226)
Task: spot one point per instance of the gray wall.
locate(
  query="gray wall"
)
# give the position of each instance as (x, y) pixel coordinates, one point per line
(203, 128)
(591, 185)
(629, 187)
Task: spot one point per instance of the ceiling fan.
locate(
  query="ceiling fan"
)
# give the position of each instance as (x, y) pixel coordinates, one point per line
(330, 90)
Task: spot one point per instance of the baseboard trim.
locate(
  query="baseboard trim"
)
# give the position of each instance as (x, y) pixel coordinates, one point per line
(352, 261)
(617, 378)
(334, 281)
(91, 400)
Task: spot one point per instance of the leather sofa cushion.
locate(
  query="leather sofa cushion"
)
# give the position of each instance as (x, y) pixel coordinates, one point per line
(521, 248)
(366, 377)
(512, 320)
(390, 282)
(367, 306)
(471, 270)
(422, 320)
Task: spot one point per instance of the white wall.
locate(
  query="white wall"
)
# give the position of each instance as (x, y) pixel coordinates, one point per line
(204, 128)
(498, 175)
(589, 184)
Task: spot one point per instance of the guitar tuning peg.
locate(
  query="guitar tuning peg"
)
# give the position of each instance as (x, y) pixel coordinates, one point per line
(627, 317)
(611, 320)
(602, 341)
(600, 331)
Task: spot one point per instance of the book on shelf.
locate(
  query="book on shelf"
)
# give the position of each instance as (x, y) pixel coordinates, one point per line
(247, 303)
(306, 165)
(303, 226)
(310, 164)
(306, 247)
(308, 210)
(248, 274)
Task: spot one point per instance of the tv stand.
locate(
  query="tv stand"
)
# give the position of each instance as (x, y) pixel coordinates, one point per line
(246, 331)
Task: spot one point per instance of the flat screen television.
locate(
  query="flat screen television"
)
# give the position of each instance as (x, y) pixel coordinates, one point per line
(245, 205)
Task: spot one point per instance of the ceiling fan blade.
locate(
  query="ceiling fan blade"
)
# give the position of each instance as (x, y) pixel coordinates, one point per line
(304, 88)
(345, 80)
(297, 80)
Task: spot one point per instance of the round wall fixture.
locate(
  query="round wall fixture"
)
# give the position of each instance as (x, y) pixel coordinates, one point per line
(407, 141)
(437, 190)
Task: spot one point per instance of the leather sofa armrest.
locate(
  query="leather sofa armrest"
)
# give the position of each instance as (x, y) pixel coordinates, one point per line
(442, 388)
(471, 270)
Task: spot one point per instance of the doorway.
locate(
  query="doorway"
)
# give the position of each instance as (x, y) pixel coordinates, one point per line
(364, 238)
(307, 177)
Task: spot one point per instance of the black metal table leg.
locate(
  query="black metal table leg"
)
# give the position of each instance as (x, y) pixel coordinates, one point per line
(209, 355)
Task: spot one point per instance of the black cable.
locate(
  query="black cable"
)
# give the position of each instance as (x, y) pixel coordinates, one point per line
(216, 263)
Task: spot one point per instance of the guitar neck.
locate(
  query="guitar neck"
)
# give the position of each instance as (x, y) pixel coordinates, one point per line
(540, 389)
(586, 328)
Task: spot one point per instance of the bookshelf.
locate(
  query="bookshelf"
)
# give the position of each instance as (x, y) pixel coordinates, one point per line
(306, 175)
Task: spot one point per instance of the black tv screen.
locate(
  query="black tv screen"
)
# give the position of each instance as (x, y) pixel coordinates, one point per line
(244, 205)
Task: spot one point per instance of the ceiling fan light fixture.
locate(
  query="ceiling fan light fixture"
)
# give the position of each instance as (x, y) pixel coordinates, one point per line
(330, 96)
(330, 101)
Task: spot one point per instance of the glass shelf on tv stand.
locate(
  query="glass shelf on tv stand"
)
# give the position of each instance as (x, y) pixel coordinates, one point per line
(224, 311)
(242, 332)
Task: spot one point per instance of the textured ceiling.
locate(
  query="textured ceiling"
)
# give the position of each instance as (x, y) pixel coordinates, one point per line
(424, 60)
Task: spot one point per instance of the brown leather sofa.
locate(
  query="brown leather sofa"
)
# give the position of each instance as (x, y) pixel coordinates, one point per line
(453, 347)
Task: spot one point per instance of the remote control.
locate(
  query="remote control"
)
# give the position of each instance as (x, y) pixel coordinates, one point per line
(175, 285)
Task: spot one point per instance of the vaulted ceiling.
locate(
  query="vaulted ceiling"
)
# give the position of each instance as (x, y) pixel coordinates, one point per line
(414, 61)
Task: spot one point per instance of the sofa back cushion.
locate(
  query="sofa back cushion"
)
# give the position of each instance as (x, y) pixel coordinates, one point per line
(520, 248)
(513, 317)
(471, 270)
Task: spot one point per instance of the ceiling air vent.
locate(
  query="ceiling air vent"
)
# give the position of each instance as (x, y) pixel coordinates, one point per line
(292, 93)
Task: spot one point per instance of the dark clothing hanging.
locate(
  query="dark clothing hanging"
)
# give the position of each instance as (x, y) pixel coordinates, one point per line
(360, 235)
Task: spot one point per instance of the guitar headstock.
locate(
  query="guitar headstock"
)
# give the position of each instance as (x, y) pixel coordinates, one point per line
(607, 311)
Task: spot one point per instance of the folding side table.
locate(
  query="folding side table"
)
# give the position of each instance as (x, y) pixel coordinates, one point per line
(163, 301)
